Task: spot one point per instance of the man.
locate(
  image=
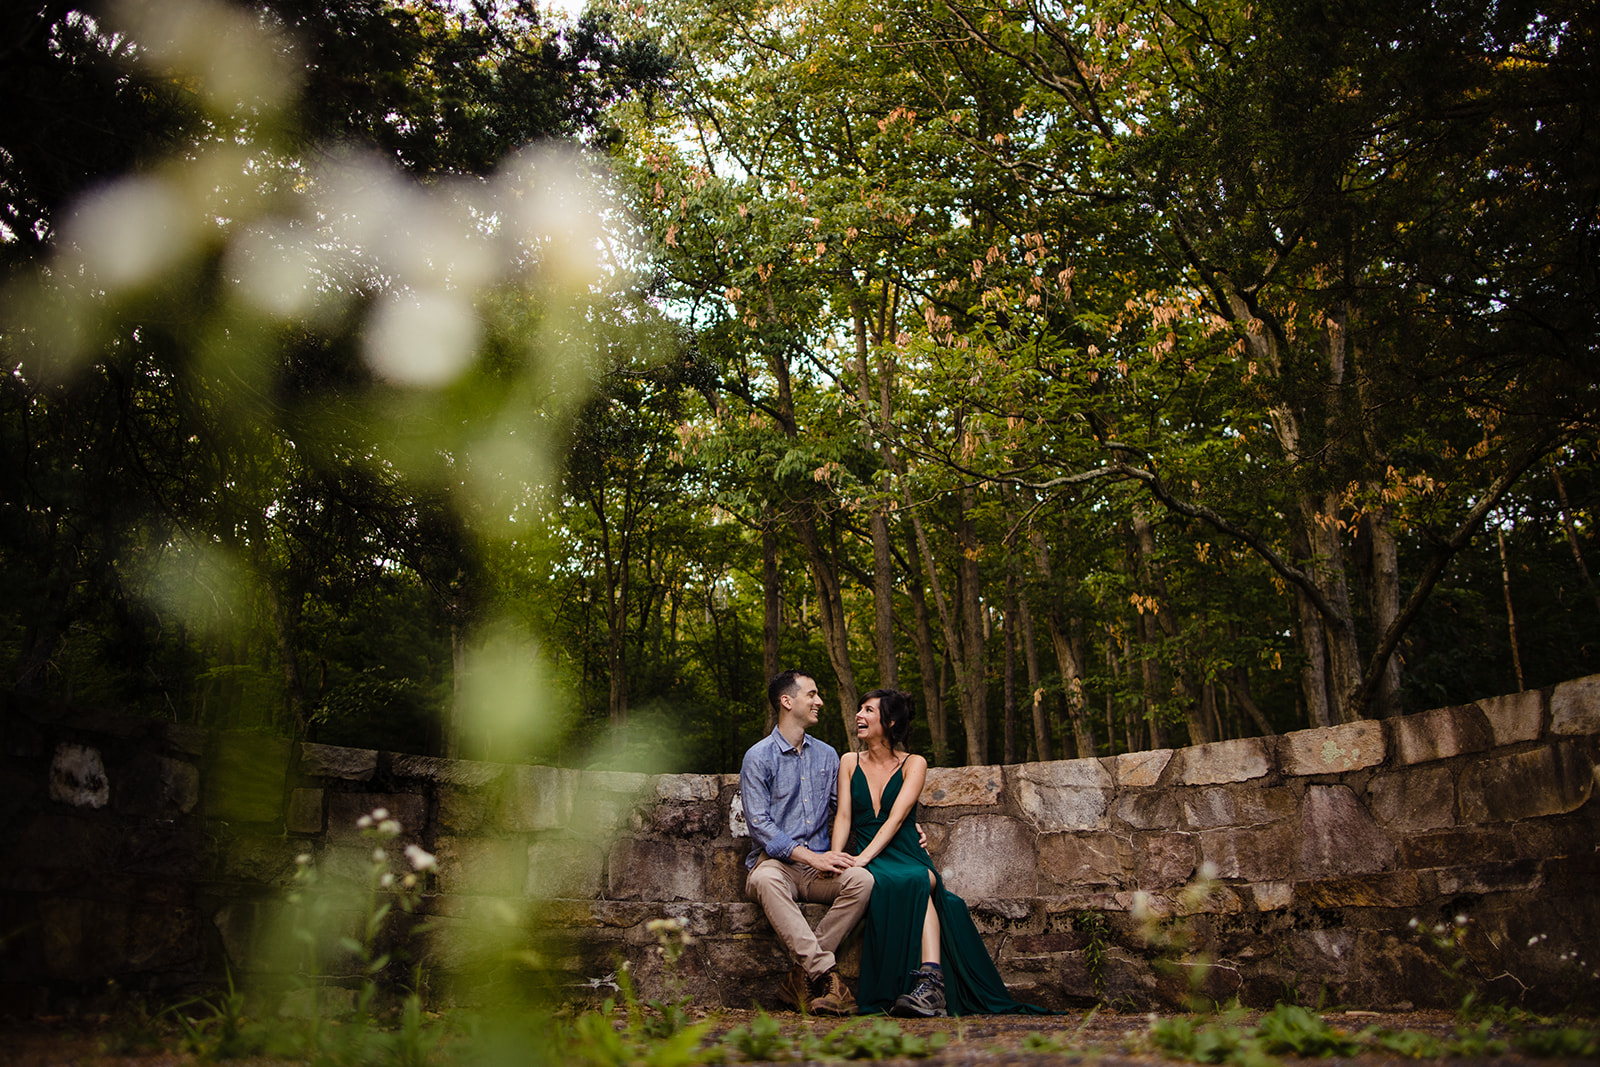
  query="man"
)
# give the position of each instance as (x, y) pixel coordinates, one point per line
(789, 783)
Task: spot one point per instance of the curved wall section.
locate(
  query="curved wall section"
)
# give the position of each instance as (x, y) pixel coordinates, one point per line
(1317, 865)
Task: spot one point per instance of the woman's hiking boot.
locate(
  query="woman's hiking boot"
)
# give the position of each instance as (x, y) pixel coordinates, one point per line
(926, 999)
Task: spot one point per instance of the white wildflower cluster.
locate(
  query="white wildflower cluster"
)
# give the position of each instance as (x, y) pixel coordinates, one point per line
(380, 824)
(1453, 930)
(382, 827)
(1578, 963)
(672, 936)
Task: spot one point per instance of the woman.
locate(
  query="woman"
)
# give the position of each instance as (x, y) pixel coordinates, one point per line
(911, 919)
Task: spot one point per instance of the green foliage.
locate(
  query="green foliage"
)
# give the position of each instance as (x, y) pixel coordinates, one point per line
(1043, 1043)
(1292, 1030)
(593, 1039)
(1096, 931)
(219, 1027)
(879, 1039)
(1154, 317)
(1412, 1044)
(761, 1040)
(1447, 946)
(1182, 1037)
(218, 483)
(1575, 1042)
(1477, 1039)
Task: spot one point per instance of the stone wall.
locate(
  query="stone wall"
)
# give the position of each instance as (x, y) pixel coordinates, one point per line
(156, 857)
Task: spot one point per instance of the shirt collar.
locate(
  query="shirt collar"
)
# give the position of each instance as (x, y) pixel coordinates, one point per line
(783, 742)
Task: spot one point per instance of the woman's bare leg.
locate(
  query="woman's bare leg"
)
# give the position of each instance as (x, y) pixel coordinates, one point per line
(930, 926)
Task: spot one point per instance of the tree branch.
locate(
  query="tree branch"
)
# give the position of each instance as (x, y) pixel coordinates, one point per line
(1431, 574)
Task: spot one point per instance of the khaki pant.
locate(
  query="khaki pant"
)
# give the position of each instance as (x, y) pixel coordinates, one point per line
(779, 887)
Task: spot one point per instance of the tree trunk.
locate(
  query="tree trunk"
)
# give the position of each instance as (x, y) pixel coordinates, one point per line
(44, 633)
(972, 679)
(1151, 688)
(1314, 675)
(883, 599)
(1385, 556)
(928, 663)
(1009, 630)
(1572, 534)
(1238, 682)
(1041, 720)
(1068, 660)
(1511, 613)
(1320, 513)
(286, 627)
(1329, 642)
(878, 522)
(772, 621)
(455, 744)
(617, 656)
(1166, 622)
(952, 635)
(830, 614)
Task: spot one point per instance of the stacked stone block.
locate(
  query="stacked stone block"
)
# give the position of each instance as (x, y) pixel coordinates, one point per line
(157, 856)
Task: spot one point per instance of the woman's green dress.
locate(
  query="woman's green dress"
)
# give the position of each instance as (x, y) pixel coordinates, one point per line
(891, 947)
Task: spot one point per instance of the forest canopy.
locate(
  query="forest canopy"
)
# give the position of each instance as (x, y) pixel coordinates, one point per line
(472, 380)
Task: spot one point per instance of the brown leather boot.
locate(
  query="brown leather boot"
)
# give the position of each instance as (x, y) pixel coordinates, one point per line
(830, 996)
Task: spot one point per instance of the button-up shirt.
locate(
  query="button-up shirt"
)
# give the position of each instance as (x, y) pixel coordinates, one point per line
(789, 795)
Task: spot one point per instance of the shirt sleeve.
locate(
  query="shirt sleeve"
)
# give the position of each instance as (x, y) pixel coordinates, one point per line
(755, 789)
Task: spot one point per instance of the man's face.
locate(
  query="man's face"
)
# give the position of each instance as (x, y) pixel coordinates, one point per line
(806, 700)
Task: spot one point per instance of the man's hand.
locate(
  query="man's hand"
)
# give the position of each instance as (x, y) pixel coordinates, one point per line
(828, 863)
(922, 837)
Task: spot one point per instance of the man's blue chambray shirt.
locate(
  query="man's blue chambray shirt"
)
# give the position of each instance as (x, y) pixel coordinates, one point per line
(789, 795)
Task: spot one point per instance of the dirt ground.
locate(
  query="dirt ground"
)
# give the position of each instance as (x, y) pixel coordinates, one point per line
(1103, 1039)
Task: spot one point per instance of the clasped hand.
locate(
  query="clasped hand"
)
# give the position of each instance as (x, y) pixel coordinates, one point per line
(831, 862)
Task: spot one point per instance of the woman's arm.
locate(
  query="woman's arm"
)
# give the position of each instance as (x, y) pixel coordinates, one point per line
(841, 813)
(913, 772)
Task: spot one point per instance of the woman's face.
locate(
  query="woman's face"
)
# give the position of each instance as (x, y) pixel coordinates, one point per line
(869, 720)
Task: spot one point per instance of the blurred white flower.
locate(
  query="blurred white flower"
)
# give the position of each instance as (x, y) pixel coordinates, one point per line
(230, 55)
(130, 231)
(273, 266)
(424, 338)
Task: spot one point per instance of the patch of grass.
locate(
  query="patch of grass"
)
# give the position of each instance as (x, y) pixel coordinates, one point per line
(1577, 1042)
(1289, 1029)
(880, 1039)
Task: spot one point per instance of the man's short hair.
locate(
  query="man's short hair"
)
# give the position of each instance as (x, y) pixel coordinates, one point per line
(785, 681)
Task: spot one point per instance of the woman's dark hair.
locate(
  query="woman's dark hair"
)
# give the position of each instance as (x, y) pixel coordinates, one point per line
(894, 711)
